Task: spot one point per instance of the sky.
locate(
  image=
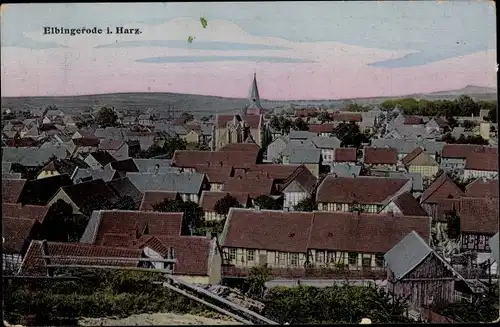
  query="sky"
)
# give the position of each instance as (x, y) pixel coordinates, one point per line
(298, 50)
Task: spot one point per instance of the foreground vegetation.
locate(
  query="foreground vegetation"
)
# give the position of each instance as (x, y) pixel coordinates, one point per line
(114, 293)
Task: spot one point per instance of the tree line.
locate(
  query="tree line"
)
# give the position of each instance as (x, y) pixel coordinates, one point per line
(463, 105)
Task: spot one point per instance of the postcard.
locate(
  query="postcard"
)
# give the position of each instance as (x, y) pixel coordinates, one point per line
(289, 162)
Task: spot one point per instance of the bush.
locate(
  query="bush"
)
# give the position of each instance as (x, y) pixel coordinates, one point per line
(98, 294)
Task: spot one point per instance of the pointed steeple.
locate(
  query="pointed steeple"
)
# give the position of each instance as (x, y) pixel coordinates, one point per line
(253, 97)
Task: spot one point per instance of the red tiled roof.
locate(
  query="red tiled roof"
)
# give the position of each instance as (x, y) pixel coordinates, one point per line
(299, 231)
(11, 189)
(116, 240)
(361, 190)
(34, 264)
(255, 184)
(215, 174)
(86, 141)
(442, 187)
(381, 156)
(209, 199)
(274, 171)
(151, 198)
(480, 188)
(412, 120)
(408, 205)
(131, 223)
(479, 215)
(192, 158)
(251, 147)
(345, 155)
(24, 211)
(252, 120)
(16, 232)
(305, 112)
(192, 253)
(366, 233)
(179, 121)
(346, 117)
(462, 151)
(484, 161)
(107, 144)
(267, 230)
(411, 156)
(321, 128)
(303, 176)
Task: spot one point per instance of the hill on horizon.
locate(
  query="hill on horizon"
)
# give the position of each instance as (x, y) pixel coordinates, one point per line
(200, 105)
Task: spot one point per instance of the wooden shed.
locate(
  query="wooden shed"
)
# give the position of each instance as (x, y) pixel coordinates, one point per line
(420, 275)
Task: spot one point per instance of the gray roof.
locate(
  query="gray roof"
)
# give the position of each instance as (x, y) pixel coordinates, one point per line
(11, 175)
(6, 167)
(106, 174)
(417, 179)
(345, 170)
(293, 145)
(407, 254)
(304, 156)
(149, 165)
(431, 147)
(31, 156)
(90, 232)
(326, 142)
(403, 146)
(206, 129)
(301, 135)
(180, 130)
(185, 183)
(81, 174)
(493, 242)
(112, 133)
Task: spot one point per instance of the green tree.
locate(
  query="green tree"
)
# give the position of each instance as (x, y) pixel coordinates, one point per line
(324, 116)
(125, 203)
(106, 117)
(223, 205)
(267, 203)
(172, 144)
(466, 106)
(468, 125)
(300, 125)
(350, 135)
(345, 304)
(307, 204)
(257, 278)
(492, 115)
(61, 225)
(193, 214)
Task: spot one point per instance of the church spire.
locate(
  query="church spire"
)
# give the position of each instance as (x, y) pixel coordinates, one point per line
(253, 97)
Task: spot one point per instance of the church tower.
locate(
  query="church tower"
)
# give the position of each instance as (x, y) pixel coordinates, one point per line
(254, 107)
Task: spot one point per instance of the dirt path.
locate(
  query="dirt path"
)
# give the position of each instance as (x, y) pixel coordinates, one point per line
(157, 319)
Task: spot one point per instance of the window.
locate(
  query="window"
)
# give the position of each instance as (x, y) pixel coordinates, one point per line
(232, 254)
(379, 260)
(353, 258)
(250, 255)
(338, 207)
(294, 259)
(282, 258)
(319, 256)
(367, 262)
(331, 257)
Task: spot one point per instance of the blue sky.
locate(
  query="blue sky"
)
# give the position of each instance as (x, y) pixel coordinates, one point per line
(436, 31)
